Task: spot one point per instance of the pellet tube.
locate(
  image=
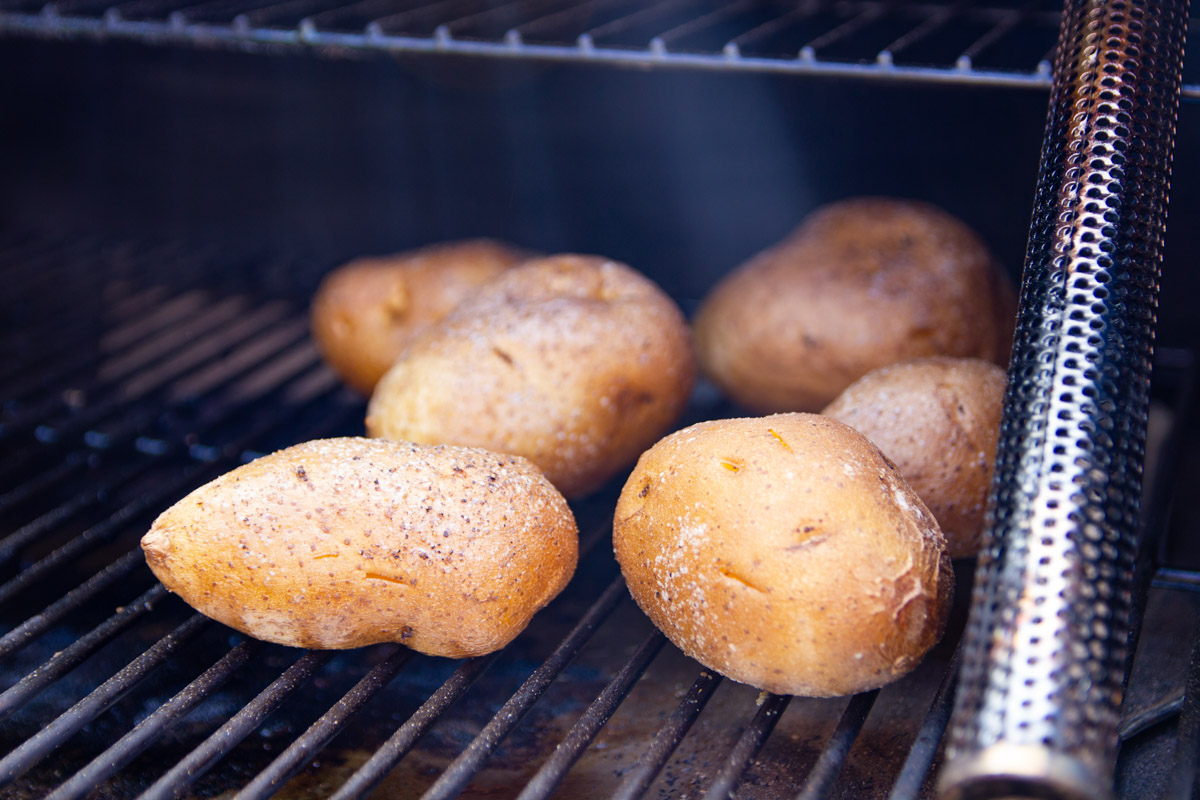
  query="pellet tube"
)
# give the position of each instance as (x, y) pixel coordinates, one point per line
(1046, 644)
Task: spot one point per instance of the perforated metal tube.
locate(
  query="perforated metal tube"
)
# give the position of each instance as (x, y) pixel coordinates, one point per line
(1043, 662)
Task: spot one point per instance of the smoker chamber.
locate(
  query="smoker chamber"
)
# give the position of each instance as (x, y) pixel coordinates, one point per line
(133, 372)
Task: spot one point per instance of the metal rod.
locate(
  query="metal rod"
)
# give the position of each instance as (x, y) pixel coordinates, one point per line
(381, 762)
(829, 765)
(67, 724)
(39, 623)
(129, 746)
(924, 748)
(748, 745)
(65, 660)
(299, 752)
(1046, 645)
(569, 750)
(638, 780)
(460, 772)
(216, 746)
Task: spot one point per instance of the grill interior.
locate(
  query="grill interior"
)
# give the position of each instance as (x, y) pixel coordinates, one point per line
(133, 371)
(116, 409)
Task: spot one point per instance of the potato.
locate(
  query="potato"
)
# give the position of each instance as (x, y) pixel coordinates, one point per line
(860, 284)
(366, 312)
(938, 420)
(342, 543)
(574, 362)
(784, 552)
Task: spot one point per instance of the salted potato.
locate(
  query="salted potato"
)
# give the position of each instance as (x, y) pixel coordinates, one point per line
(938, 420)
(577, 363)
(367, 311)
(858, 285)
(341, 543)
(784, 552)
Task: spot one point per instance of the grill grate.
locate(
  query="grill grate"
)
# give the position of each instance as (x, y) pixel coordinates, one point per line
(1001, 42)
(115, 689)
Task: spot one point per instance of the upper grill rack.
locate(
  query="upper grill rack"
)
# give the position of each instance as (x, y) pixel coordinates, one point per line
(112, 686)
(1003, 42)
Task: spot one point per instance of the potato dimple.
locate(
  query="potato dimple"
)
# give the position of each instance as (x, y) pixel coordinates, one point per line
(812, 570)
(412, 535)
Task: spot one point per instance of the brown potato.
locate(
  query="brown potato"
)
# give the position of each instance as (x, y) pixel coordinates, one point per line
(342, 543)
(860, 284)
(575, 362)
(784, 552)
(366, 312)
(938, 420)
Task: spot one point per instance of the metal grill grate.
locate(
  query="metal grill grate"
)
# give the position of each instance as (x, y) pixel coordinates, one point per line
(112, 687)
(996, 42)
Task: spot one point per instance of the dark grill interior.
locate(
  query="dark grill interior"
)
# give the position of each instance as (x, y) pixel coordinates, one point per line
(136, 367)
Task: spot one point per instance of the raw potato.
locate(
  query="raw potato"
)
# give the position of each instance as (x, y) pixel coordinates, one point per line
(784, 552)
(575, 362)
(860, 284)
(366, 312)
(342, 543)
(938, 420)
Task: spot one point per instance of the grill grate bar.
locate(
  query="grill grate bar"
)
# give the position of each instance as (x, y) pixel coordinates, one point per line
(924, 749)
(582, 733)
(638, 780)
(216, 746)
(748, 745)
(571, 16)
(96, 535)
(146, 504)
(1187, 749)
(144, 335)
(829, 765)
(61, 368)
(38, 624)
(324, 729)
(67, 724)
(998, 31)
(245, 25)
(698, 24)
(11, 544)
(220, 331)
(923, 29)
(460, 772)
(64, 661)
(844, 30)
(59, 327)
(1143, 719)
(381, 762)
(629, 21)
(33, 530)
(493, 12)
(131, 744)
(72, 462)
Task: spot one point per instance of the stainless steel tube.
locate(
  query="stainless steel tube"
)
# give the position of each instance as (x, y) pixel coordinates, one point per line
(1043, 661)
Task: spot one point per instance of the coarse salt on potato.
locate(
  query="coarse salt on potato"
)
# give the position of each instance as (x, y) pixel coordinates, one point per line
(938, 420)
(784, 552)
(341, 543)
(577, 363)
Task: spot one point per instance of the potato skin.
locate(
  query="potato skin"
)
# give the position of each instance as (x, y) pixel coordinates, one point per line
(784, 552)
(858, 285)
(341, 543)
(367, 311)
(938, 420)
(577, 363)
